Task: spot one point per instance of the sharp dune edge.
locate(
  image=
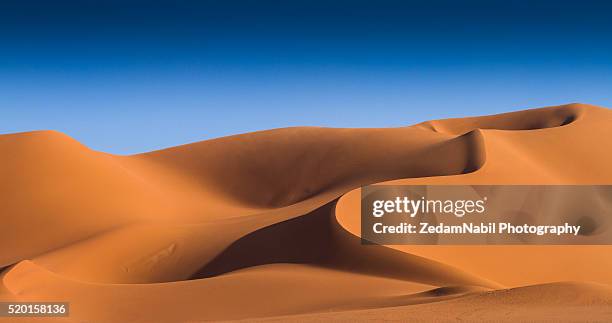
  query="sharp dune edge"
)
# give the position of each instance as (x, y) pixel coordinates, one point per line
(265, 225)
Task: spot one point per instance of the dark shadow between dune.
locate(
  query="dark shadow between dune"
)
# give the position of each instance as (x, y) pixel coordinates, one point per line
(300, 240)
(317, 238)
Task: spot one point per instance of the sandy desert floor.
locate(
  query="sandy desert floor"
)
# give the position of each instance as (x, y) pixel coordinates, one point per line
(265, 226)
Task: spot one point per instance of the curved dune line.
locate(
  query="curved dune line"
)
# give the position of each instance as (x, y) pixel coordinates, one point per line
(249, 293)
(132, 263)
(558, 302)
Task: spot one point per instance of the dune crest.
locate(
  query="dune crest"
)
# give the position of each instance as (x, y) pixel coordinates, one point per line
(266, 224)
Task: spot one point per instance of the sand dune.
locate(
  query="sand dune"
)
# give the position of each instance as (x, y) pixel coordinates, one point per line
(552, 302)
(266, 224)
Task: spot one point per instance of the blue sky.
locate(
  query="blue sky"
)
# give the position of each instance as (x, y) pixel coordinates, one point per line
(127, 77)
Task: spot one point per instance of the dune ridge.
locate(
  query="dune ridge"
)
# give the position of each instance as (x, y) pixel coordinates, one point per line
(266, 224)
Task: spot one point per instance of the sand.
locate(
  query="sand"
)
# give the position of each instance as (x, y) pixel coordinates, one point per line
(265, 225)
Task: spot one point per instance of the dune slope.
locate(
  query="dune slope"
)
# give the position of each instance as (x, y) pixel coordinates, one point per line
(266, 224)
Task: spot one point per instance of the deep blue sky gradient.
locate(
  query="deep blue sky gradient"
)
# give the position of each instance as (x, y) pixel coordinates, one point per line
(132, 76)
